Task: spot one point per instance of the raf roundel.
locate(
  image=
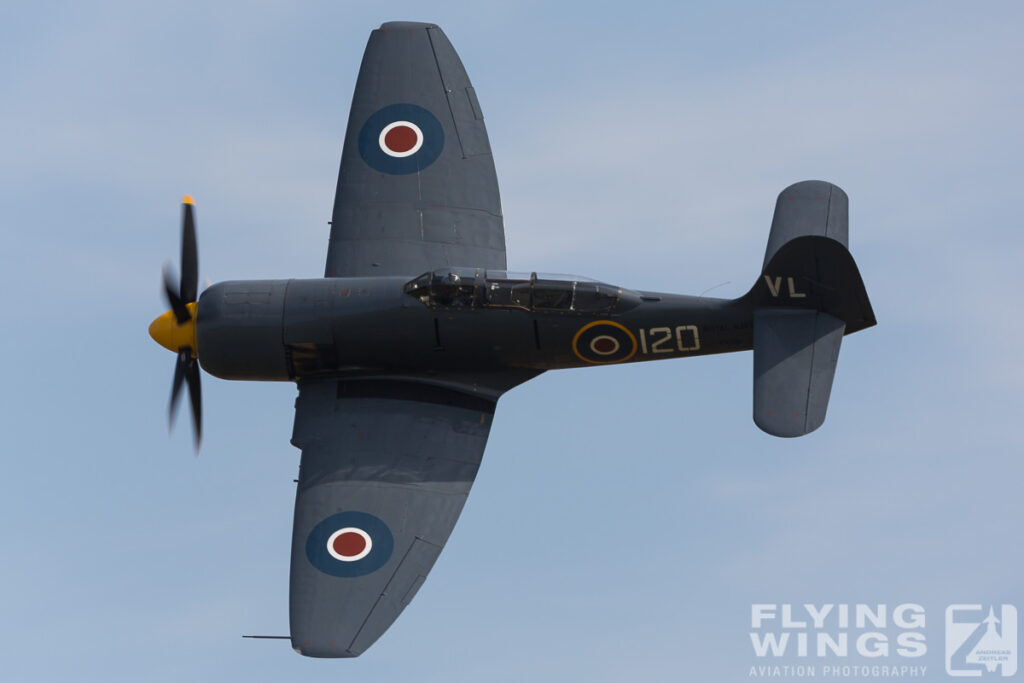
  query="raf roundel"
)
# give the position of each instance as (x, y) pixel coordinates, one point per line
(349, 544)
(401, 139)
(604, 341)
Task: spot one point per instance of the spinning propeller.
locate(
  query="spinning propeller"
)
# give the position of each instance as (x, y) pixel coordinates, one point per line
(176, 329)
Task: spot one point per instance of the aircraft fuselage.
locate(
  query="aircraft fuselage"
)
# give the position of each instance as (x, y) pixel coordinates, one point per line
(289, 329)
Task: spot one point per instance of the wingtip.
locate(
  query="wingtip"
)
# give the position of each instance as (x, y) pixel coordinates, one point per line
(410, 26)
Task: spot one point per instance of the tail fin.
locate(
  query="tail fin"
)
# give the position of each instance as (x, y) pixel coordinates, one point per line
(809, 295)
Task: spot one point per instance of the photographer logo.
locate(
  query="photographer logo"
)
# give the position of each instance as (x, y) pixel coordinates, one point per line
(981, 640)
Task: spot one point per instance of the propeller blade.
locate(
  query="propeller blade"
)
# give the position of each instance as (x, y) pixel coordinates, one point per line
(180, 298)
(196, 396)
(189, 253)
(177, 305)
(180, 369)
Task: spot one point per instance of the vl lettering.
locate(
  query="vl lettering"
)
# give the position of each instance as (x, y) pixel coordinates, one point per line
(775, 287)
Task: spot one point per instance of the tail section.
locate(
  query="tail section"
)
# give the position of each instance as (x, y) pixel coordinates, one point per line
(809, 295)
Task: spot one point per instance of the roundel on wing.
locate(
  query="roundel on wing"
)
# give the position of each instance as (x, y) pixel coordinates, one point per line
(401, 139)
(349, 544)
(604, 341)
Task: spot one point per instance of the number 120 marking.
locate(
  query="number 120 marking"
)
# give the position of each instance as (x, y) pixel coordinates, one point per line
(661, 338)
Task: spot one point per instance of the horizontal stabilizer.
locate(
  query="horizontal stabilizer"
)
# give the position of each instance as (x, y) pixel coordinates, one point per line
(795, 355)
(811, 207)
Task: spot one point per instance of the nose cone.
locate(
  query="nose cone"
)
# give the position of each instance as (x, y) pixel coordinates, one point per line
(172, 335)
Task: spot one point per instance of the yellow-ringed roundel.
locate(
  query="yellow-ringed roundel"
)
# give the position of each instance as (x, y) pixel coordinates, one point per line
(401, 139)
(349, 544)
(604, 341)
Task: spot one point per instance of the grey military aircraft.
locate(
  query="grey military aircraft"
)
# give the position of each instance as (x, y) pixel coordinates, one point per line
(403, 349)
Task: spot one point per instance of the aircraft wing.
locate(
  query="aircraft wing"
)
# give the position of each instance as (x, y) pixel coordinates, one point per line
(417, 188)
(386, 468)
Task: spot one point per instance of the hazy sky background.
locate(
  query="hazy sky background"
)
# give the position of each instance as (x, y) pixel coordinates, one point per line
(625, 517)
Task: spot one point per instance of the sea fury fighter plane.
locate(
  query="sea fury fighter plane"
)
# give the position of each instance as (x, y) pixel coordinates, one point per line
(403, 349)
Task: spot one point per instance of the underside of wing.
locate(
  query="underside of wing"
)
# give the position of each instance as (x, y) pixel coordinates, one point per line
(386, 468)
(417, 187)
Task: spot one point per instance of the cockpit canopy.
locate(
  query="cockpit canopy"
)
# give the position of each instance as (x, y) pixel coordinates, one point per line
(469, 288)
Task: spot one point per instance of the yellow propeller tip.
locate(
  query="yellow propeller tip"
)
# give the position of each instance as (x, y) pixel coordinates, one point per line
(187, 199)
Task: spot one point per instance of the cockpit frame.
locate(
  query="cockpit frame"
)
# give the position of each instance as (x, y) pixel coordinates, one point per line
(463, 288)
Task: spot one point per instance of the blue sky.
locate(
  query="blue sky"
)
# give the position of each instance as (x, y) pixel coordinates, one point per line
(625, 518)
